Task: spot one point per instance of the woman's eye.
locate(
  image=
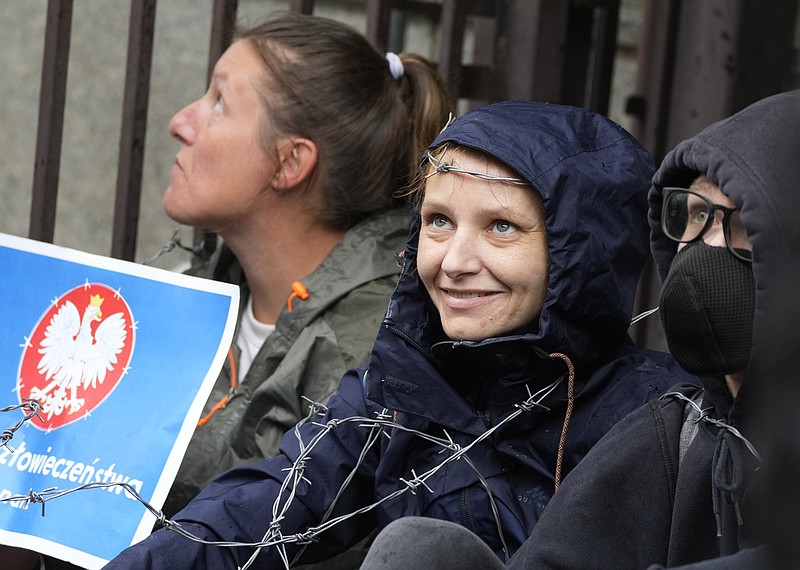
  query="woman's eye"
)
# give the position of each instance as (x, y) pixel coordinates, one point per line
(440, 222)
(504, 227)
(219, 106)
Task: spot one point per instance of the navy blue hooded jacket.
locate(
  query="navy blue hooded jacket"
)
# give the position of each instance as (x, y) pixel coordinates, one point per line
(438, 396)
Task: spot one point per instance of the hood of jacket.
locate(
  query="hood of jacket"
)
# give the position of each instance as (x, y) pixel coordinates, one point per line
(753, 156)
(593, 179)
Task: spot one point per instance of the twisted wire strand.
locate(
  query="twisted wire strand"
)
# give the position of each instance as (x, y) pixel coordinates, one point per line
(32, 407)
(382, 424)
(374, 436)
(419, 480)
(495, 511)
(171, 244)
(440, 166)
(642, 315)
(705, 417)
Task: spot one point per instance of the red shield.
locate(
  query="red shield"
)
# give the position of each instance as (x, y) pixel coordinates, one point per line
(77, 354)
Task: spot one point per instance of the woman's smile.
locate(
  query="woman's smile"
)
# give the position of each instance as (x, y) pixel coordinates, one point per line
(466, 294)
(466, 299)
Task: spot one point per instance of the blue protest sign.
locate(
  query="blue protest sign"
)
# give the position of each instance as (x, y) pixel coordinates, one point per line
(120, 359)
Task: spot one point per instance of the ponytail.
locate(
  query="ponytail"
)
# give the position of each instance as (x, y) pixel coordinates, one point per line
(428, 102)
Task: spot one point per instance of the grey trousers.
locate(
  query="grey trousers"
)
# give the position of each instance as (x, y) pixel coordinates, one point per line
(418, 542)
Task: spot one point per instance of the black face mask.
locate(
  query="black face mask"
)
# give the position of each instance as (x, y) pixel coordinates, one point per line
(707, 305)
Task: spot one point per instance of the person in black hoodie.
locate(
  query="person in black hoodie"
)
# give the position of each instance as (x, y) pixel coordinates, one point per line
(679, 481)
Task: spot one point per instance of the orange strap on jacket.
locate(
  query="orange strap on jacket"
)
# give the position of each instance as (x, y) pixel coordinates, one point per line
(298, 290)
(227, 398)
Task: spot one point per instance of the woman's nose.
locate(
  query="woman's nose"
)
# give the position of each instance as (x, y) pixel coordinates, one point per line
(181, 126)
(462, 256)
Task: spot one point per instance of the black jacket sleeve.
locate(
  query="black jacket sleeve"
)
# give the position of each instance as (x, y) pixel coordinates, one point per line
(614, 509)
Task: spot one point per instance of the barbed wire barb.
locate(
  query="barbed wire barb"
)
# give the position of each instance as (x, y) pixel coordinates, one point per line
(32, 406)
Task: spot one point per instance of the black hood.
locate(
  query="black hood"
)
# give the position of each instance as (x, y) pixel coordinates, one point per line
(753, 157)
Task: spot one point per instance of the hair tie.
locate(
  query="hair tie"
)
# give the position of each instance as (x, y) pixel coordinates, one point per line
(395, 65)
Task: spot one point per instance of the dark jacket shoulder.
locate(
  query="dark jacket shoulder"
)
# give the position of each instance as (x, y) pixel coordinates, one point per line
(595, 520)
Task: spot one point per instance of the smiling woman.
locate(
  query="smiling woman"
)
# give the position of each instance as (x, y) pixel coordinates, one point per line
(503, 356)
(482, 248)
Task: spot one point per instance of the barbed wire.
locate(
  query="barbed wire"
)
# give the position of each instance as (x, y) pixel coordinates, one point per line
(32, 407)
(383, 425)
(704, 416)
(172, 243)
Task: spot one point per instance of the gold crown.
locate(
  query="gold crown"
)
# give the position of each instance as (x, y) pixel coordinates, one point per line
(95, 301)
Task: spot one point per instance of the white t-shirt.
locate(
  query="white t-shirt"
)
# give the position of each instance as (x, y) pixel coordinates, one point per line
(252, 336)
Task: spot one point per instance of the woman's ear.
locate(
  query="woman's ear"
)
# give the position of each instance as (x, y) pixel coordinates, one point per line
(297, 158)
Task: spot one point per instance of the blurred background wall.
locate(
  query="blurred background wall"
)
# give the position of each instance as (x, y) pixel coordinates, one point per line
(92, 116)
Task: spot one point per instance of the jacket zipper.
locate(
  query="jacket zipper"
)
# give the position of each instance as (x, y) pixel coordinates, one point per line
(408, 339)
(466, 510)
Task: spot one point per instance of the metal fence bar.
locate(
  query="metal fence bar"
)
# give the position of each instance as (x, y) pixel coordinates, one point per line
(52, 96)
(134, 128)
(223, 27)
(576, 44)
(302, 6)
(451, 48)
(605, 48)
(656, 69)
(378, 21)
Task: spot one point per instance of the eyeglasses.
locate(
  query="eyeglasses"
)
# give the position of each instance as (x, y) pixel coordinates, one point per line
(687, 215)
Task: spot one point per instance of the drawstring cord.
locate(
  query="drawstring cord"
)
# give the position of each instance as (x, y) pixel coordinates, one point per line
(726, 464)
(567, 415)
(727, 477)
(226, 398)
